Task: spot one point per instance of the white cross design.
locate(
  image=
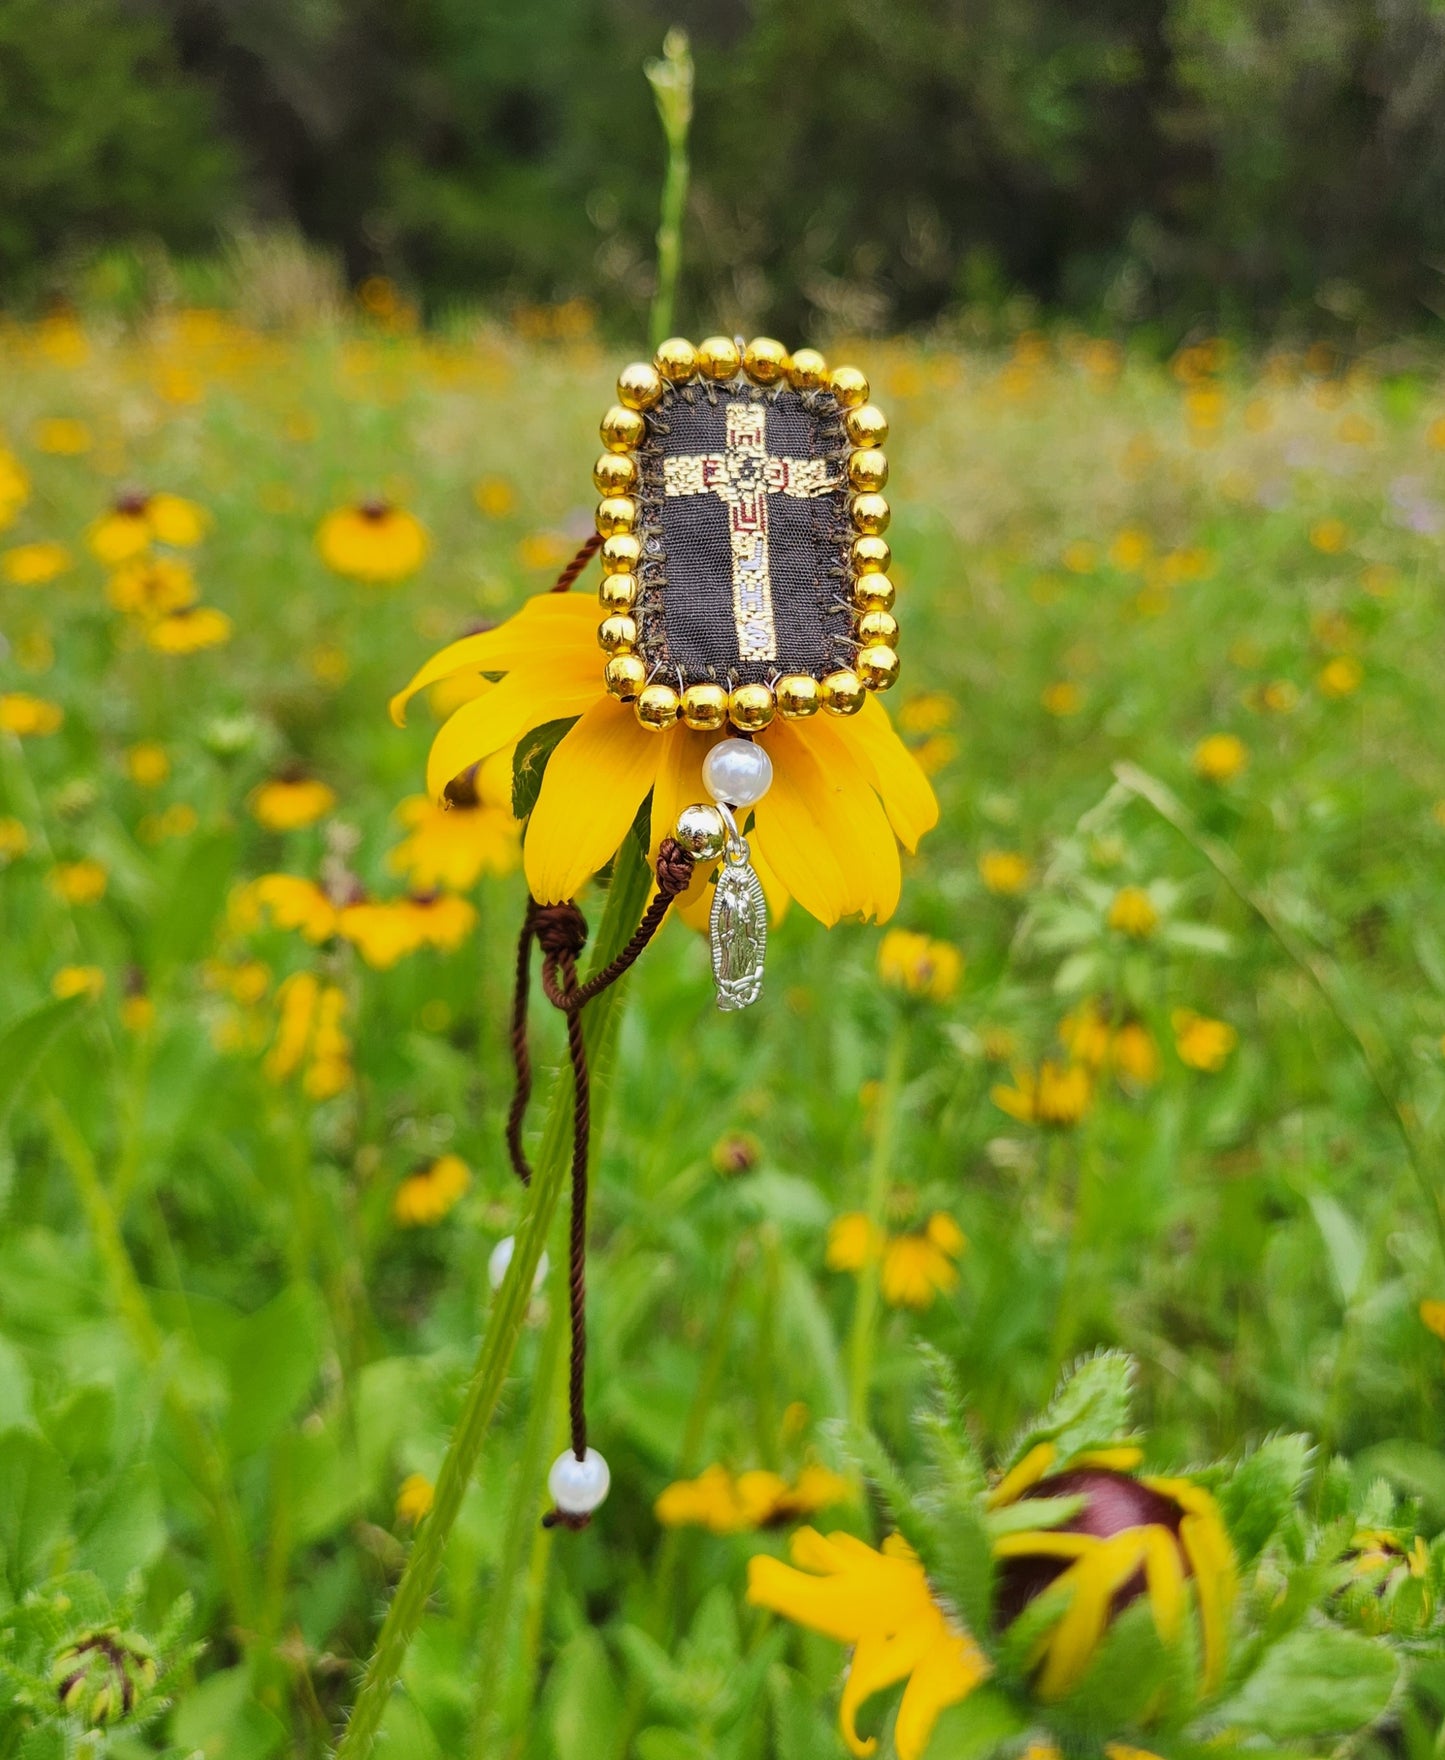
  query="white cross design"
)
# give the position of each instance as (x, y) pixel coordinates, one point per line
(744, 476)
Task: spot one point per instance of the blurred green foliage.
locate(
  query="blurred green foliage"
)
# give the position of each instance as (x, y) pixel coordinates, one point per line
(858, 163)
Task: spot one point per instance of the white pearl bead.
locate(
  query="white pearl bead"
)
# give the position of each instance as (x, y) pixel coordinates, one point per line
(501, 1259)
(737, 771)
(578, 1487)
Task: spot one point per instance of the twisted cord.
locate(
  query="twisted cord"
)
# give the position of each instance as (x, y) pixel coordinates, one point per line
(578, 563)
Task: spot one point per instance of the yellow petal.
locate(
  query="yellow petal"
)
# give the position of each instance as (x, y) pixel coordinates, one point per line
(553, 627)
(1164, 1572)
(822, 1604)
(878, 1663)
(1045, 1543)
(1093, 1581)
(908, 797)
(948, 1672)
(1211, 1558)
(497, 718)
(790, 836)
(595, 781)
(1028, 1471)
(679, 780)
(852, 819)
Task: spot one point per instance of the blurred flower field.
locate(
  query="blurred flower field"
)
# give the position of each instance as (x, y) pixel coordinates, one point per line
(1151, 1057)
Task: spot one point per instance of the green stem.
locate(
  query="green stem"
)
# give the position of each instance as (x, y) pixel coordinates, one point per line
(524, 1684)
(671, 80)
(865, 1307)
(626, 898)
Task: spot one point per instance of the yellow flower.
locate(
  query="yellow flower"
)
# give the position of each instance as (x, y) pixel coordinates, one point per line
(1130, 550)
(1135, 1054)
(881, 1604)
(473, 833)
(495, 497)
(147, 764)
(373, 541)
(24, 715)
(414, 1499)
(78, 981)
(32, 565)
(1202, 1043)
(14, 488)
(151, 586)
(822, 830)
(289, 803)
(1280, 696)
(852, 1241)
(1062, 698)
(291, 903)
(919, 965)
(1092, 1040)
(928, 712)
(187, 632)
(14, 840)
(309, 1017)
(1056, 1095)
(62, 435)
(1004, 871)
(1221, 757)
(136, 521)
(728, 1504)
(919, 1266)
(1329, 536)
(1432, 1314)
(82, 882)
(137, 1012)
(1132, 913)
(424, 1198)
(1340, 677)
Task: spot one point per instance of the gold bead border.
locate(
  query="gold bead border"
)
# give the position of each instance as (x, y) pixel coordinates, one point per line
(749, 707)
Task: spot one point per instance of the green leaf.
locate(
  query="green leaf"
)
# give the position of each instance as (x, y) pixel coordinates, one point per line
(220, 1719)
(530, 763)
(272, 1365)
(35, 1502)
(1412, 1467)
(124, 1530)
(181, 927)
(1259, 1493)
(1344, 1244)
(1090, 1409)
(1318, 1681)
(25, 1041)
(980, 1727)
(582, 1697)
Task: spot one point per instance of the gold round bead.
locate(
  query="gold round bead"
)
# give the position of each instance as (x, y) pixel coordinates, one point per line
(878, 668)
(798, 696)
(875, 627)
(718, 357)
(621, 553)
(676, 360)
(867, 425)
(639, 385)
(870, 555)
(873, 592)
(657, 706)
(618, 592)
(617, 635)
(751, 707)
(625, 675)
(616, 513)
(843, 693)
(807, 370)
(870, 514)
(614, 473)
(765, 360)
(849, 386)
(867, 468)
(622, 430)
(705, 707)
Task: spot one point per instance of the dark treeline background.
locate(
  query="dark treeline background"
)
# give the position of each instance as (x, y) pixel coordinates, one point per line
(857, 163)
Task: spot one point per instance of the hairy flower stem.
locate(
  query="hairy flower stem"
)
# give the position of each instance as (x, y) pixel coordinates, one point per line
(865, 1307)
(671, 81)
(626, 898)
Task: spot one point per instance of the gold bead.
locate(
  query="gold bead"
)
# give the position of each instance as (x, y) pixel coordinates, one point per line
(616, 513)
(807, 370)
(798, 696)
(621, 553)
(878, 668)
(639, 385)
(866, 425)
(765, 360)
(614, 473)
(618, 592)
(750, 707)
(870, 555)
(849, 386)
(622, 430)
(617, 635)
(705, 707)
(873, 592)
(870, 514)
(625, 675)
(657, 706)
(876, 627)
(676, 359)
(867, 468)
(718, 357)
(843, 693)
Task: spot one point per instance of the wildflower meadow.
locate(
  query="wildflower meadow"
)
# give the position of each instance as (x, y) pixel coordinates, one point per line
(1018, 1333)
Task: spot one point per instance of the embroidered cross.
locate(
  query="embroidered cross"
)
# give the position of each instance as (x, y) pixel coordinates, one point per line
(743, 476)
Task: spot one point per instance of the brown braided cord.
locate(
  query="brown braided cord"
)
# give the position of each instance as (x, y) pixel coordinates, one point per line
(578, 563)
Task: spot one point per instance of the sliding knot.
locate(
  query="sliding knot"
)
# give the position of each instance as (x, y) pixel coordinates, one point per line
(674, 868)
(559, 928)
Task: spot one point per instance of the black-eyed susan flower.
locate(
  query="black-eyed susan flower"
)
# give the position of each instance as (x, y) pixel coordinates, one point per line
(917, 1265)
(1340, 677)
(1220, 757)
(78, 981)
(739, 1503)
(137, 519)
(425, 1197)
(34, 565)
(82, 882)
(1202, 1043)
(149, 586)
(880, 1603)
(310, 1031)
(190, 630)
(1132, 912)
(1055, 1095)
(291, 801)
(26, 716)
(735, 1153)
(1004, 871)
(843, 786)
(147, 763)
(289, 902)
(472, 832)
(1094, 1039)
(918, 965)
(373, 541)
